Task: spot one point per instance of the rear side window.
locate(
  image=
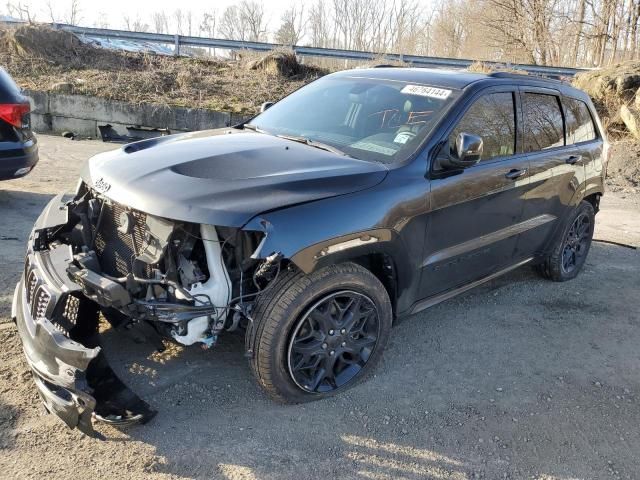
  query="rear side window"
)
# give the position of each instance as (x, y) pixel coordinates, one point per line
(543, 125)
(580, 127)
(491, 117)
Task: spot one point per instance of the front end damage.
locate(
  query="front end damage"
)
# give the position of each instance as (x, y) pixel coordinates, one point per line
(149, 277)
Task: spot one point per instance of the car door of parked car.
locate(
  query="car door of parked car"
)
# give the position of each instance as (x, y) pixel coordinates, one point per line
(476, 213)
(556, 161)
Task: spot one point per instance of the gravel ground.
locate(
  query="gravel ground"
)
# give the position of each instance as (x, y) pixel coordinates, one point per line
(520, 378)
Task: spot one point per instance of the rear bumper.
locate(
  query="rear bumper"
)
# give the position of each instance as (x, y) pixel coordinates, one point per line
(14, 160)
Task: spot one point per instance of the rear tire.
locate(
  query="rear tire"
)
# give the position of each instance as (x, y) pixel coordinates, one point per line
(571, 247)
(316, 335)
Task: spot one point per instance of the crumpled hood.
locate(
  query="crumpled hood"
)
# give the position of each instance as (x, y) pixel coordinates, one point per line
(224, 177)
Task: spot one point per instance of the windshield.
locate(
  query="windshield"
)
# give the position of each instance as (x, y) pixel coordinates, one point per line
(369, 119)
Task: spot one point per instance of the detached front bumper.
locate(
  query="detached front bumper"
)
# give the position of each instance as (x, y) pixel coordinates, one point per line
(58, 363)
(58, 328)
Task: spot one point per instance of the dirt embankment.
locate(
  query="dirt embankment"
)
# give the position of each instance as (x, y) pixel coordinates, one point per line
(616, 93)
(41, 58)
(623, 171)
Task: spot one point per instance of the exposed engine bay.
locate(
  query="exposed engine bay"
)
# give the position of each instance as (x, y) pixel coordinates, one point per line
(149, 277)
(190, 282)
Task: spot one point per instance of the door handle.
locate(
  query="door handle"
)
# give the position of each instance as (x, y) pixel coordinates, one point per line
(573, 159)
(515, 173)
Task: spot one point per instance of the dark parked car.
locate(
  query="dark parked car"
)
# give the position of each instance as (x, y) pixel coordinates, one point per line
(364, 197)
(18, 147)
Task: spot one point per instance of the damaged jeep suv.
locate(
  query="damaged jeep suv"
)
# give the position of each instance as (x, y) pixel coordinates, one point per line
(363, 197)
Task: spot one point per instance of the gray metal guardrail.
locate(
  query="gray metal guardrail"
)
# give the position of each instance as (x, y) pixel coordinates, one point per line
(415, 60)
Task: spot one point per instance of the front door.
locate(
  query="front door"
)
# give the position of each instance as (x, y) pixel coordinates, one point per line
(476, 213)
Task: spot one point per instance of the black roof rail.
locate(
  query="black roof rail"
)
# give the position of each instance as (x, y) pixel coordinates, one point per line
(520, 76)
(507, 75)
(386, 65)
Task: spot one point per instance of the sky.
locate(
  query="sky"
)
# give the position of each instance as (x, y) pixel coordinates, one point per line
(93, 12)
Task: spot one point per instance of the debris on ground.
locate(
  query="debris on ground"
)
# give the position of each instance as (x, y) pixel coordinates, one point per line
(280, 62)
(41, 58)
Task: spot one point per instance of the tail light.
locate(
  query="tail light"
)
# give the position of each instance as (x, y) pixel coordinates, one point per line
(13, 113)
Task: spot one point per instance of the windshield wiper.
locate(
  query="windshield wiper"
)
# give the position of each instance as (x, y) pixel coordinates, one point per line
(251, 126)
(313, 143)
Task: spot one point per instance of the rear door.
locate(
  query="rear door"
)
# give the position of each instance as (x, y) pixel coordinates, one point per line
(476, 212)
(586, 140)
(556, 168)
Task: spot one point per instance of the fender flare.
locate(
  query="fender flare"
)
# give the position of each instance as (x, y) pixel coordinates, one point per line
(352, 246)
(581, 193)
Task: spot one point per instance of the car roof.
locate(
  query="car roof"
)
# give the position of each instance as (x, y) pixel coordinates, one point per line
(429, 76)
(460, 79)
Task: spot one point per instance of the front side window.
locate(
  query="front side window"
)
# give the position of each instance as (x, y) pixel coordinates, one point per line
(491, 117)
(580, 126)
(543, 125)
(367, 118)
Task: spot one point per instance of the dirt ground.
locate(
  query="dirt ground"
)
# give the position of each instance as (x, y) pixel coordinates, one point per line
(521, 378)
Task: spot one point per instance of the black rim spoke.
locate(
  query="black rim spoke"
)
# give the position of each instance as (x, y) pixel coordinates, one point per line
(575, 244)
(364, 342)
(325, 318)
(333, 341)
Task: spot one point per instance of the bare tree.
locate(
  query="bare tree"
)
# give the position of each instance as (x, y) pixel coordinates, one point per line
(52, 16)
(293, 26)
(244, 21)
(74, 14)
(189, 21)
(160, 22)
(633, 36)
(101, 20)
(318, 23)
(252, 16)
(231, 24)
(208, 24)
(178, 16)
(560, 32)
(135, 24)
(22, 10)
(579, 21)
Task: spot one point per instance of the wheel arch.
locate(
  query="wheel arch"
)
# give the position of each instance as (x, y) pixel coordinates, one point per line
(594, 199)
(379, 251)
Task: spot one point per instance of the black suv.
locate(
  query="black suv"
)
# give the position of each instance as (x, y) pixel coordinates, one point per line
(18, 148)
(363, 197)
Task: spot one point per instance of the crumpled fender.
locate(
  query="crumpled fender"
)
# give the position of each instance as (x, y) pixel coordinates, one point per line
(326, 232)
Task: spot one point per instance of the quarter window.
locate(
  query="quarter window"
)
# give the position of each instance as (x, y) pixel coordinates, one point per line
(543, 125)
(580, 126)
(491, 117)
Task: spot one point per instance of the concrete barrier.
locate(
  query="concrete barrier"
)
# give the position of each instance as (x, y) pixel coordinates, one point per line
(82, 115)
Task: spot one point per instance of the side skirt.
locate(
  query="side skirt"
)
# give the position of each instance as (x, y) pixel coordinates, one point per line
(431, 301)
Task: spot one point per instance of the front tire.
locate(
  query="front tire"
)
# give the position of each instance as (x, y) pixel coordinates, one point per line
(571, 247)
(316, 335)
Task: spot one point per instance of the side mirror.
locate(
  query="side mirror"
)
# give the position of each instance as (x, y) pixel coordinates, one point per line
(265, 106)
(466, 152)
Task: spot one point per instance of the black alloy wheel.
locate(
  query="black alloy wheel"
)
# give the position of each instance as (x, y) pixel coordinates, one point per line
(333, 341)
(576, 243)
(569, 251)
(315, 335)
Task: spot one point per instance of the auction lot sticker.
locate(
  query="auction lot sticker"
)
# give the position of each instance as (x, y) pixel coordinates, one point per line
(423, 91)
